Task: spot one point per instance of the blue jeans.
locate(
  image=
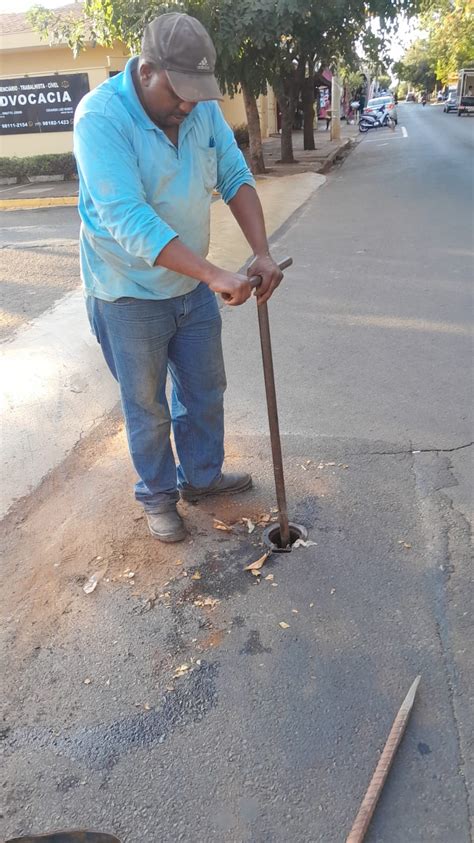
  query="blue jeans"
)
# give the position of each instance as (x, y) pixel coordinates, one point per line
(143, 339)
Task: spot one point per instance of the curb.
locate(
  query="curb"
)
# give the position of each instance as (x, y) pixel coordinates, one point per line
(45, 202)
(344, 147)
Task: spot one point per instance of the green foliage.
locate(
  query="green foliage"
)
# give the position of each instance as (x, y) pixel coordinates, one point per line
(402, 90)
(447, 47)
(450, 28)
(11, 168)
(417, 66)
(384, 82)
(256, 40)
(63, 164)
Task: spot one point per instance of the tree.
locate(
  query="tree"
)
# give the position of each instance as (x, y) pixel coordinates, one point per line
(448, 45)
(417, 66)
(384, 82)
(450, 27)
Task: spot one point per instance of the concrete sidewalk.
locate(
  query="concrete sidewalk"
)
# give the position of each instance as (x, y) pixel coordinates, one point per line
(320, 160)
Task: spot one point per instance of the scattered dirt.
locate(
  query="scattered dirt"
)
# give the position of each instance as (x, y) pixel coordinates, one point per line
(84, 516)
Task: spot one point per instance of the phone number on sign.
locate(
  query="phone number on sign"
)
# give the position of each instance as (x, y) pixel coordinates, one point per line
(30, 125)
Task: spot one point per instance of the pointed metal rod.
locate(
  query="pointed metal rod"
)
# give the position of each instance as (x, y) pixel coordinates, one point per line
(270, 390)
(369, 803)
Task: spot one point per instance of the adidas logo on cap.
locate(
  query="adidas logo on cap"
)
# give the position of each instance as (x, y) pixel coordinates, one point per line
(203, 64)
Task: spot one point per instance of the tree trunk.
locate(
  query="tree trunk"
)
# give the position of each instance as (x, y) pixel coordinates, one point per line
(308, 112)
(257, 163)
(285, 91)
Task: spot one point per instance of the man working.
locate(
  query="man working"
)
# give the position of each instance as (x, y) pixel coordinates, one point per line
(151, 145)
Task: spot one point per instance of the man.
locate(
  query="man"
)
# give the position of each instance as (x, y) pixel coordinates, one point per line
(151, 145)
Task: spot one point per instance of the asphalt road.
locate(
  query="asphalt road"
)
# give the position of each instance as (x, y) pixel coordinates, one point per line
(40, 263)
(274, 735)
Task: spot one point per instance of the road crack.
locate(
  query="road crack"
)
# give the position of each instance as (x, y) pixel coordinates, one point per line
(418, 451)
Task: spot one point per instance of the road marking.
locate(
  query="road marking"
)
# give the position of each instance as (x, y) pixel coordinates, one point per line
(389, 138)
(404, 131)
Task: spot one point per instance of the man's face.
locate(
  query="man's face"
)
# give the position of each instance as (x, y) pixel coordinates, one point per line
(165, 108)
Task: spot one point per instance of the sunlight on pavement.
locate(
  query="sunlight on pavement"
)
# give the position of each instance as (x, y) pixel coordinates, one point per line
(399, 324)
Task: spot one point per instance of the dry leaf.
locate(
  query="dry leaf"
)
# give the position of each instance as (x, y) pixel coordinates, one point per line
(284, 625)
(249, 523)
(219, 525)
(264, 519)
(210, 602)
(303, 543)
(181, 670)
(196, 576)
(259, 563)
(146, 707)
(269, 577)
(87, 681)
(274, 584)
(256, 573)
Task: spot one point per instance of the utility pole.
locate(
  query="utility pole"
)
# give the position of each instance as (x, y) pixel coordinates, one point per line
(335, 106)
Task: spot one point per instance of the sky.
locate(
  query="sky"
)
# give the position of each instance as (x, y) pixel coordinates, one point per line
(24, 5)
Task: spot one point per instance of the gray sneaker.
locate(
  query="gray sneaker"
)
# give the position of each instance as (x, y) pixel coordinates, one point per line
(228, 484)
(166, 526)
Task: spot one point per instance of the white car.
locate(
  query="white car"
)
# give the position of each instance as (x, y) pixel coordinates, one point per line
(389, 103)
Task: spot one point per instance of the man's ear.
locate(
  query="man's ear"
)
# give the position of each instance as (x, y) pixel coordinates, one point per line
(146, 72)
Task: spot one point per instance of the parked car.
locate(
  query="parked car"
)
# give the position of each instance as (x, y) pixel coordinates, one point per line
(451, 102)
(389, 103)
(410, 97)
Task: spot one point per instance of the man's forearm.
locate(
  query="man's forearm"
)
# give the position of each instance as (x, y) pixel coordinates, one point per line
(177, 257)
(248, 212)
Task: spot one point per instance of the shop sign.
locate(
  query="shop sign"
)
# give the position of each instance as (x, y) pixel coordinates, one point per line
(40, 103)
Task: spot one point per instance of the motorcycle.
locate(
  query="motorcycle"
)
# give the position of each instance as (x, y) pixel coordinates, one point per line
(376, 120)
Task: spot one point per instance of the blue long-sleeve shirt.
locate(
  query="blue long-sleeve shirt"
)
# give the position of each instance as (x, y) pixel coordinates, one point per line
(138, 191)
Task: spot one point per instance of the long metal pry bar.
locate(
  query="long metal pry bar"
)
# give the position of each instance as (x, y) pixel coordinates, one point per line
(269, 376)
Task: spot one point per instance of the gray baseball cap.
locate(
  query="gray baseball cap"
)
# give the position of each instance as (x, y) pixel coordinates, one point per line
(180, 45)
